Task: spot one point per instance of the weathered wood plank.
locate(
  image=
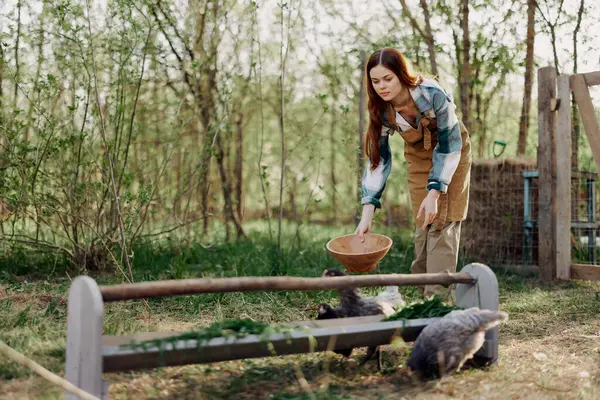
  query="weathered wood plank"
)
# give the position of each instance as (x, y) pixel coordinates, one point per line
(585, 272)
(253, 346)
(108, 341)
(563, 180)
(588, 115)
(547, 172)
(592, 78)
(246, 284)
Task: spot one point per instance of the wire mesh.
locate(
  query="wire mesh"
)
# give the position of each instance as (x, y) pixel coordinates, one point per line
(502, 225)
(500, 228)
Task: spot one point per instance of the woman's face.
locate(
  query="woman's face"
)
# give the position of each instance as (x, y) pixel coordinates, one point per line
(385, 82)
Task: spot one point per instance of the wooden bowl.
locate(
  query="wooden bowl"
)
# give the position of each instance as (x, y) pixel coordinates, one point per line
(357, 256)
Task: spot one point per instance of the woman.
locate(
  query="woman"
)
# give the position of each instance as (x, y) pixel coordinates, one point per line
(438, 153)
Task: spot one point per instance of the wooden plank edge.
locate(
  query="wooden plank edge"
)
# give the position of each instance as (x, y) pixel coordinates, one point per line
(325, 323)
(592, 78)
(563, 180)
(225, 349)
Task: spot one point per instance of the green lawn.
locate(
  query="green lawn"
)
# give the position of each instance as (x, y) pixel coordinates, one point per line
(550, 347)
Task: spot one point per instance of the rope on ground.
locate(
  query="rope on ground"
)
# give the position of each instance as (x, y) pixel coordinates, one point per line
(43, 372)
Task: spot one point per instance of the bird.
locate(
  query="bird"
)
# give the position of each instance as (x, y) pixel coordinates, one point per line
(325, 311)
(390, 300)
(352, 304)
(446, 344)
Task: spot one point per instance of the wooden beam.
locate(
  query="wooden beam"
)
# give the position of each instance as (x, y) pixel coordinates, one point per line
(563, 180)
(585, 272)
(547, 170)
(588, 115)
(118, 358)
(108, 341)
(246, 284)
(592, 78)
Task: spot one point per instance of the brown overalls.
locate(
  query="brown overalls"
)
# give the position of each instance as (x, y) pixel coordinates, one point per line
(436, 247)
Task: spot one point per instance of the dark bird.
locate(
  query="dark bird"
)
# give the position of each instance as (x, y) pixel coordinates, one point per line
(352, 304)
(445, 345)
(326, 312)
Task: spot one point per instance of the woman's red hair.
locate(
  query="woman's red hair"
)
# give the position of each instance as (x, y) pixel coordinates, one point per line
(393, 60)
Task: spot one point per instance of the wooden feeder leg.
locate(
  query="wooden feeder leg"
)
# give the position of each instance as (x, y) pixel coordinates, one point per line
(483, 294)
(84, 338)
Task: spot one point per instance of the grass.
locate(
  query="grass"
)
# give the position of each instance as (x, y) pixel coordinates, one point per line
(562, 322)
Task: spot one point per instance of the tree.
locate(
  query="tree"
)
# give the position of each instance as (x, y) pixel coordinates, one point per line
(426, 32)
(524, 121)
(466, 66)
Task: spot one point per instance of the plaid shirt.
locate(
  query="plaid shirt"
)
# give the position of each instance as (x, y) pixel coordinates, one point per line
(429, 96)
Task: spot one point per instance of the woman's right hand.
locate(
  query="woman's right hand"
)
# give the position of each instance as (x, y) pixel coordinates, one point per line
(364, 226)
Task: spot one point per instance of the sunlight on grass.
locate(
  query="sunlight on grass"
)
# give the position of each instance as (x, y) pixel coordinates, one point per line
(33, 318)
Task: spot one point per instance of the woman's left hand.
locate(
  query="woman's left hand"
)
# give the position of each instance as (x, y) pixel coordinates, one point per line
(429, 208)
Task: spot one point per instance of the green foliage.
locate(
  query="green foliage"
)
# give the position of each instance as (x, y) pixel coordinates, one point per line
(431, 308)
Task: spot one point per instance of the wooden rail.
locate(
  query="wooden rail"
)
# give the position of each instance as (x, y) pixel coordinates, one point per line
(89, 354)
(247, 284)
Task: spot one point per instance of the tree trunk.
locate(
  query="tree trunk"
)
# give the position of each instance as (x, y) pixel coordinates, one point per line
(575, 130)
(17, 66)
(293, 205)
(2, 136)
(427, 34)
(552, 28)
(429, 39)
(227, 198)
(524, 122)
(207, 105)
(283, 57)
(224, 153)
(457, 55)
(575, 111)
(361, 129)
(206, 155)
(38, 71)
(466, 66)
(238, 168)
(333, 154)
(479, 126)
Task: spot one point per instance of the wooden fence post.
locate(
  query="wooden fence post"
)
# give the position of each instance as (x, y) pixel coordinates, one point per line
(563, 180)
(546, 159)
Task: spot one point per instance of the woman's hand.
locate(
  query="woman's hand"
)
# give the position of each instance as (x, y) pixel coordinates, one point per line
(429, 208)
(364, 226)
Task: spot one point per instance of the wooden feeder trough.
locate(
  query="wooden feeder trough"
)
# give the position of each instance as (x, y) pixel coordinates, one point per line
(89, 354)
(357, 256)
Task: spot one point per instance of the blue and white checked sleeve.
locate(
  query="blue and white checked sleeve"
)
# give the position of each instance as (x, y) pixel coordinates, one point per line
(447, 152)
(373, 182)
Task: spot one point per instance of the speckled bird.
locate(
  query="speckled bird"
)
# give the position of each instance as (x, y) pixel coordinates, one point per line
(445, 345)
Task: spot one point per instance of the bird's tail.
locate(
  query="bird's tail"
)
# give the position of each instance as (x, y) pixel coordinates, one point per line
(478, 319)
(488, 319)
